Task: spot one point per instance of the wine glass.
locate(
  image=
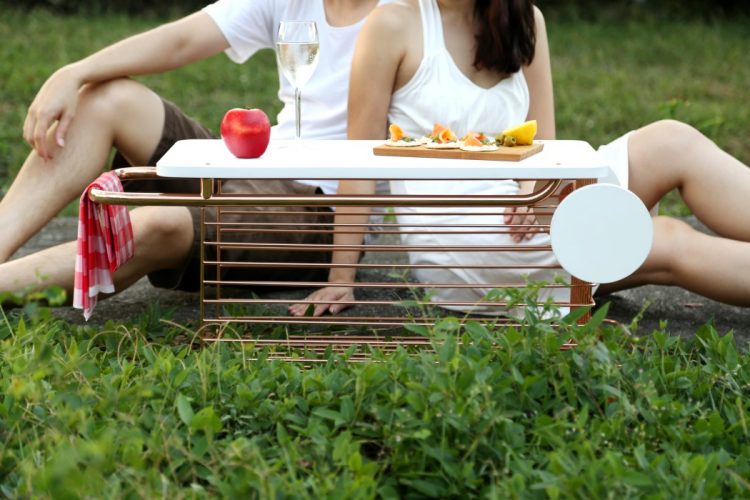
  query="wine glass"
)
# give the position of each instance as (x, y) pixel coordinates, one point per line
(297, 49)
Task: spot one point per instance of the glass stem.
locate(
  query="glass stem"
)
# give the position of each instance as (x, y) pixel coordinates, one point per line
(298, 111)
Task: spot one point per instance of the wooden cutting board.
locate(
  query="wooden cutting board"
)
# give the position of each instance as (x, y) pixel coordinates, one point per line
(516, 153)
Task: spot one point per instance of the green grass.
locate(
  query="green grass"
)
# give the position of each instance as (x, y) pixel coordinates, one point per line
(610, 77)
(135, 411)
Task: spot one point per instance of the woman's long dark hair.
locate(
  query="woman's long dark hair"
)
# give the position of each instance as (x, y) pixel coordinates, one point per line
(507, 35)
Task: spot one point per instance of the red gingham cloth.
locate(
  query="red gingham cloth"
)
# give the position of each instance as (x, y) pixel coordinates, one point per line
(105, 242)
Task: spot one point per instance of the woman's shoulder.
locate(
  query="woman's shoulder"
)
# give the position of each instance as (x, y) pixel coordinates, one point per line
(394, 16)
(538, 16)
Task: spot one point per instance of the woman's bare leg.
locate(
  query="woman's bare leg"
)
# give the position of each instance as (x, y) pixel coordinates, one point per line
(120, 112)
(711, 266)
(163, 239)
(715, 186)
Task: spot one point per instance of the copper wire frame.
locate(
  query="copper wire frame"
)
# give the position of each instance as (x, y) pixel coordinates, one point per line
(228, 303)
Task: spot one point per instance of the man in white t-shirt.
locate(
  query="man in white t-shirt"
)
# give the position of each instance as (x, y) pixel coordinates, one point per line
(89, 106)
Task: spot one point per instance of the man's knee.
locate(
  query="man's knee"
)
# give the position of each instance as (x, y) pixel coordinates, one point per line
(108, 100)
(164, 234)
(132, 112)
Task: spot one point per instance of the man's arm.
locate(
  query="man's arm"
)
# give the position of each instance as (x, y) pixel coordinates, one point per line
(161, 49)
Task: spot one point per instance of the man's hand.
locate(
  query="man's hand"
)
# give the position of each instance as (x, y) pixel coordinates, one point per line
(521, 215)
(330, 296)
(55, 103)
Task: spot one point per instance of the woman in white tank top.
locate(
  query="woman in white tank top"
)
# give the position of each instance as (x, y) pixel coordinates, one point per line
(482, 65)
(440, 92)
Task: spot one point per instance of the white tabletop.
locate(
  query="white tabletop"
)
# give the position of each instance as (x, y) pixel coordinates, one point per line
(342, 159)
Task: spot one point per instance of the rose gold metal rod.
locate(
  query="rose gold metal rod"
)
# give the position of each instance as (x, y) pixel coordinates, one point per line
(353, 338)
(336, 342)
(378, 302)
(109, 197)
(260, 226)
(381, 248)
(359, 284)
(332, 341)
(377, 323)
(357, 357)
(536, 229)
(169, 199)
(377, 214)
(343, 339)
(347, 321)
(325, 265)
(348, 340)
(150, 172)
(136, 173)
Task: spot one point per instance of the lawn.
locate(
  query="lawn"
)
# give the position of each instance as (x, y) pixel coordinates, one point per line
(135, 410)
(141, 409)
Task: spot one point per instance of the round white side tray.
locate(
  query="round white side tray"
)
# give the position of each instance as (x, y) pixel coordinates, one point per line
(601, 233)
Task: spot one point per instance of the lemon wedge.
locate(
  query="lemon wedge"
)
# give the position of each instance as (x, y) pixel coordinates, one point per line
(524, 133)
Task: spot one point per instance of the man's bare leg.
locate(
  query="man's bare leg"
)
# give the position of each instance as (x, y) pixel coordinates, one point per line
(121, 112)
(152, 227)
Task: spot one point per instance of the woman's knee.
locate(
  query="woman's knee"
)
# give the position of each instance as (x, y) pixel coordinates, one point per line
(163, 234)
(670, 251)
(661, 142)
(656, 156)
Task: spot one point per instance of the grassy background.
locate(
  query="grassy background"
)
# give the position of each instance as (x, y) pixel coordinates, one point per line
(610, 77)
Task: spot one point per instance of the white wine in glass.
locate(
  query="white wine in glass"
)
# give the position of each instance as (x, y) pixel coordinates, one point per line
(297, 49)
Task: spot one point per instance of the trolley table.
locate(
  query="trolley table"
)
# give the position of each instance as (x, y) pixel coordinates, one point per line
(559, 164)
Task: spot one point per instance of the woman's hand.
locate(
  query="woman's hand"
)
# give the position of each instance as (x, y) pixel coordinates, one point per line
(330, 296)
(54, 104)
(521, 215)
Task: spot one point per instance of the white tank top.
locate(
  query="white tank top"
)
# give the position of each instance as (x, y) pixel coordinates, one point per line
(440, 93)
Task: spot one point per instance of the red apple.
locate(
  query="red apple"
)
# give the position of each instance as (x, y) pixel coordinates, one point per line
(246, 132)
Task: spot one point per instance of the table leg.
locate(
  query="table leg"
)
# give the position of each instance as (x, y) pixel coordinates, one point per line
(207, 189)
(581, 290)
(203, 268)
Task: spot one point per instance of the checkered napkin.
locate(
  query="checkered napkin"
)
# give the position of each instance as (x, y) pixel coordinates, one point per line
(105, 242)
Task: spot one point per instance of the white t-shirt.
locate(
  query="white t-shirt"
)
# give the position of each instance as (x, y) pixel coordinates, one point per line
(251, 25)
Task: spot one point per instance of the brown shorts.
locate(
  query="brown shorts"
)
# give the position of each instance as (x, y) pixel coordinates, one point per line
(178, 126)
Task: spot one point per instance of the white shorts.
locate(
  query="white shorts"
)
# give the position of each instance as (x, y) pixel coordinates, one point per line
(616, 155)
